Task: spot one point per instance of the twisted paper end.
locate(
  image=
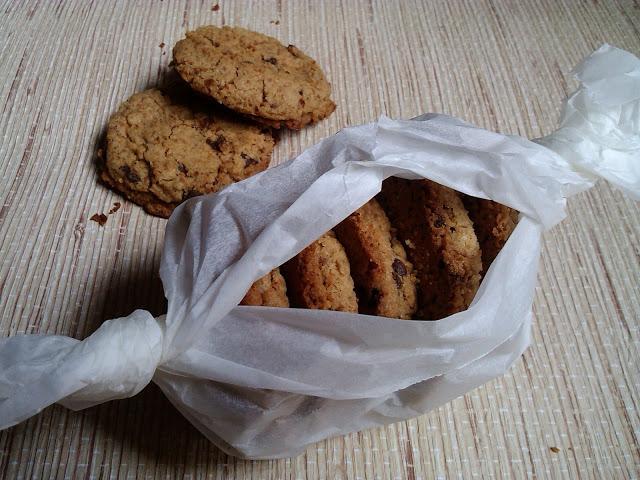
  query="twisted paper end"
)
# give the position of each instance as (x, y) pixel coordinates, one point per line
(599, 132)
(117, 361)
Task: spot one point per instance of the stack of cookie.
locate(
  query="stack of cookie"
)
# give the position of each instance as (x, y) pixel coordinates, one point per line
(418, 250)
(167, 145)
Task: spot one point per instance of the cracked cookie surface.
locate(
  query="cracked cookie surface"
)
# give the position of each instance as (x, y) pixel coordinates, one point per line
(161, 151)
(255, 75)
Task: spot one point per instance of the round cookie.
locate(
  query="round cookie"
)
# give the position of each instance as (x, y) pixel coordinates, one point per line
(493, 223)
(319, 277)
(435, 227)
(255, 75)
(161, 152)
(384, 279)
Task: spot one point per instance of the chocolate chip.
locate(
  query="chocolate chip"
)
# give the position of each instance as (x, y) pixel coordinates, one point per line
(217, 143)
(183, 168)
(399, 271)
(439, 223)
(399, 267)
(271, 60)
(248, 160)
(453, 229)
(130, 174)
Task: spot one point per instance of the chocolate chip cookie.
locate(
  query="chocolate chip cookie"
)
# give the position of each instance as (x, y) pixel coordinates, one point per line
(268, 291)
(319, 277)
(493, 223)
(383, 277)
(255, 75)
(162, 150)
(434, 225)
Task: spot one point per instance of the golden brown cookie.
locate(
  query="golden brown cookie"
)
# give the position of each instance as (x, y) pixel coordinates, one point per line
(161, 151)
(493, 223)
(255, 75)
(268, 291)
(319, 277)
(384, 278)
(433, 224)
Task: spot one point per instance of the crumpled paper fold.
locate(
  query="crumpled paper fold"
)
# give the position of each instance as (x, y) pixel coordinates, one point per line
(265, 382)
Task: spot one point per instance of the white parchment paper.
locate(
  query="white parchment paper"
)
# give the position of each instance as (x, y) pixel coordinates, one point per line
(265, 382)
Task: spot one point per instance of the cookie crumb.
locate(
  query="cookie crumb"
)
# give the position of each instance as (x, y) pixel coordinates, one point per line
(215, 8)
(162, 44)
(554, 449)
(99, 218)
(115, 208)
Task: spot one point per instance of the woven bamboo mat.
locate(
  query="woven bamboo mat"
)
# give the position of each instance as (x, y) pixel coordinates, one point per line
(568, 408)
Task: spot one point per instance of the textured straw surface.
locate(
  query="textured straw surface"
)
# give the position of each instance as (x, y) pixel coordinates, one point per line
(568, 408)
